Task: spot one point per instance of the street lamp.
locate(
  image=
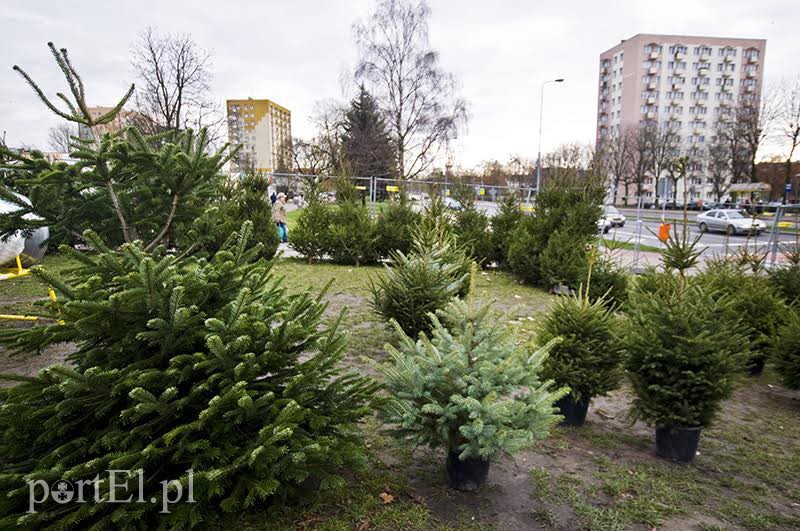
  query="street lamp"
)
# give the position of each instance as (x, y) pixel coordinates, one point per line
(539, 156)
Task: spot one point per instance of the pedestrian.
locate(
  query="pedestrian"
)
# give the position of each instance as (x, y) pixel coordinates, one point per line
(279, 216)
(273, 198)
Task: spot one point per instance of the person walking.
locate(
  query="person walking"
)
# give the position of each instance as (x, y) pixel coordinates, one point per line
(279, 216)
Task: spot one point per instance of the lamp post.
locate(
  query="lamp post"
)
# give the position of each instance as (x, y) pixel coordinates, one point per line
(539, 156)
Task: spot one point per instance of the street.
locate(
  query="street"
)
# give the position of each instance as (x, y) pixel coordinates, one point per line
(714, 243)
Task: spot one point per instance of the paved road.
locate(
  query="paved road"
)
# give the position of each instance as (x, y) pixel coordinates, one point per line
(714, 243)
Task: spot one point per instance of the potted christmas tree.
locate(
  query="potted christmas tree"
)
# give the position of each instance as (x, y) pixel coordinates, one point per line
(470, 389)
(588, 358)
(685, 350)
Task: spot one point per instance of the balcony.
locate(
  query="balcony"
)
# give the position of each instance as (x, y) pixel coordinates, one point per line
(752, 59)
(728, 58)
(650, 115)
(700, 102)
(750, 88)
(727, 74)
(725, 103)
(680, 72)
(653, 55)
(651, 101)
(675, 102)
(750, 74)
(725, 88)
(703, 71)
(677, 86)
(705, 57)
(652, 70)
(702, 88)
(679, 56)
(652, 86)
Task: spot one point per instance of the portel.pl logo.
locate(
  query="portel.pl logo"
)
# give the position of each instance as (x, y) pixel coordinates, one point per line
(117, 491)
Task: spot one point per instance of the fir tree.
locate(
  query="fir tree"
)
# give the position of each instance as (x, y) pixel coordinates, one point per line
(209, 365)
(469, 388)
(420, 283)
(588, 359)
(786, 351)
(366, 142)
(503, 226)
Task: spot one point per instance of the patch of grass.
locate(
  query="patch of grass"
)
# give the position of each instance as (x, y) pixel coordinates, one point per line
(629, 246)
(29, 287)
(545, 517)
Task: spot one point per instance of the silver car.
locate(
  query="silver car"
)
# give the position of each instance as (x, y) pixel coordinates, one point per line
(729, 221)
(614, 216)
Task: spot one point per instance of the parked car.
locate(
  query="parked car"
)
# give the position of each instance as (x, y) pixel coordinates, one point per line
(603, 225)
(451, 203)
(729, 221)
(614, 216)
(418, 196)
(672, 205)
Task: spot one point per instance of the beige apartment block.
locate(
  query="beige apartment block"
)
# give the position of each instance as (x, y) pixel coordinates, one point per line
(679, 81)
(122, 120)
(264, 129)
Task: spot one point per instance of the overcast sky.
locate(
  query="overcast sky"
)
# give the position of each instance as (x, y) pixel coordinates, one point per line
(297, 52)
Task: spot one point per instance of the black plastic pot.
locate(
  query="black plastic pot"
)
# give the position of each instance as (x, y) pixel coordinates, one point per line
(756, 366)
(574, 412)
(677, 443)
(469, 474)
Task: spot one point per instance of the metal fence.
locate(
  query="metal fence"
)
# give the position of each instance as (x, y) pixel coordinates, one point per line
(644, 217)
(378, 189)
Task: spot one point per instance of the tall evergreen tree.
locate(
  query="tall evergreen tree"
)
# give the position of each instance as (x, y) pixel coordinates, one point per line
(365, 140)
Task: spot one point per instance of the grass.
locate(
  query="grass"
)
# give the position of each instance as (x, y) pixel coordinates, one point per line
(600, 476)
(630, 246)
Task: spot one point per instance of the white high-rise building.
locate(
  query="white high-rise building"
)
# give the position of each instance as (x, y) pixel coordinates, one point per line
(682, 82)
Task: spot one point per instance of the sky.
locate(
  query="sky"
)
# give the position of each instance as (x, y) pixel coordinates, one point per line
(298, 53)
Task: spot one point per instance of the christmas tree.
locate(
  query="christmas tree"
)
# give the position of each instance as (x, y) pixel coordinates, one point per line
(207, 365)
(470, 387)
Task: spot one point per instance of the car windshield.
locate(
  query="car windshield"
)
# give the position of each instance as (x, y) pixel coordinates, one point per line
(734, 214)
(611, 210)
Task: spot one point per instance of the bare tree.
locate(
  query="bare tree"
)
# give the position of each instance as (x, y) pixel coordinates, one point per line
(718, 158)
(639, 159)
(754, 124)
(676, 170)
(662, 143)
(616, 154)
(789, 124)
(403, 73)
(174, 87)
(59, 138)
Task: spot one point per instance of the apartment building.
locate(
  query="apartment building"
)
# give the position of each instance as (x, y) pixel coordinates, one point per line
(678, 81)
(122, 120)
(264, 129)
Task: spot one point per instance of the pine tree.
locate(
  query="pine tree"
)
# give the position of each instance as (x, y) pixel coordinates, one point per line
(469, 388)
(503, 226)
(588, 359)
(786, 350)
(366, 142)
(244, 199)
(420, 283)
(209, 365)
